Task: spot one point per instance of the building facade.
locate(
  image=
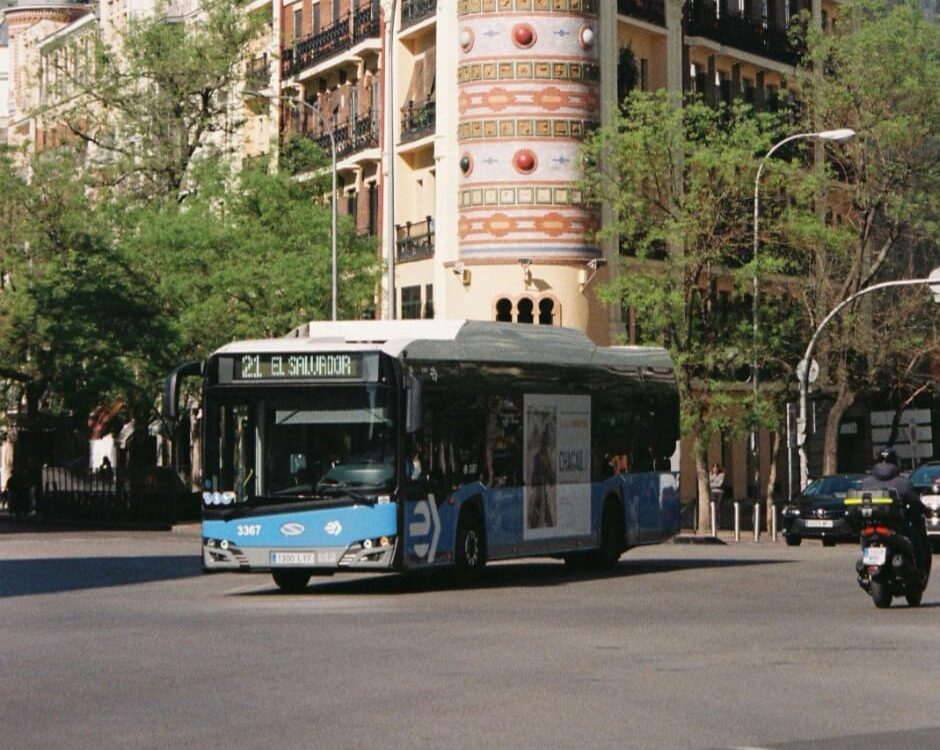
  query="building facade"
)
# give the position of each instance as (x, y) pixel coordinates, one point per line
(457, 127)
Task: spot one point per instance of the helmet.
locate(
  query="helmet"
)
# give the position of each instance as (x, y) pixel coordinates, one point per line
(888, 456)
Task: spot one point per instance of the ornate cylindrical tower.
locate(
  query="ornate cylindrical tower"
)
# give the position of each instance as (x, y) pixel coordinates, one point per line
(528, 93)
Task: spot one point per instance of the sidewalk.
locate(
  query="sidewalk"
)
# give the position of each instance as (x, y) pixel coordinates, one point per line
(725, 536)
(32, 522)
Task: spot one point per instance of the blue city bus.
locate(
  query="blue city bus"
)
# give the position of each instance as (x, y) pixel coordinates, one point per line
(406, 445)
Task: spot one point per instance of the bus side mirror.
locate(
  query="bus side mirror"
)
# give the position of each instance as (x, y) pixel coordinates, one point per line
(171, 388)
(412, 404)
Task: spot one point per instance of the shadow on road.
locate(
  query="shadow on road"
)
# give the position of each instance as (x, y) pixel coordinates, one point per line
(54, 575)
(502, 576)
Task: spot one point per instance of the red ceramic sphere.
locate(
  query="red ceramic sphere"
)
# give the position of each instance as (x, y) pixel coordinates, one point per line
(523, 35)
(525, 161)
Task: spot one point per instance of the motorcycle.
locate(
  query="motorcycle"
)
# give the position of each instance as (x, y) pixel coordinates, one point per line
(888, 566)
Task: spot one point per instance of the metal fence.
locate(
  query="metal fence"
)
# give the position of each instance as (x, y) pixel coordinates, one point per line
(151, 496)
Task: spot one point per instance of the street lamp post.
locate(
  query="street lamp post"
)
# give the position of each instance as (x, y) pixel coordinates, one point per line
(389, 8)
(842, 135)
(295, 101)
(803, 369)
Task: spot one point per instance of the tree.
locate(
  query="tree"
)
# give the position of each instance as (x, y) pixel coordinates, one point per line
(157, 97)
(78, 321)
(248, 256)
(679, 180)
(880, 194)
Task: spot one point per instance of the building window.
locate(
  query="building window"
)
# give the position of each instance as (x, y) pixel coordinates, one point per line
(373, 208)
(546, 311)
(316, 18)
(298, 22)
(524, 311)
(429, 301)
(411, 302)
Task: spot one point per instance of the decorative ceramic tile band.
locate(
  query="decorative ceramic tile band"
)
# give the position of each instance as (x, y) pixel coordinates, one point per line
(512, 195)
(524, 127)
(529, 70)
(470, 7)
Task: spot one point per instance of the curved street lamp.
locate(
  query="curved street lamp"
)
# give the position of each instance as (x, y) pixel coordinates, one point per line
(842, 135)
(803, 370)
(297, 101)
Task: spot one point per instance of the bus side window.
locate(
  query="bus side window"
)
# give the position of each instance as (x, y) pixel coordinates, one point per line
(504, 442)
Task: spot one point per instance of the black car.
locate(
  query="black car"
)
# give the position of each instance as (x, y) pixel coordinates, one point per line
(819, 511)
(926, 480)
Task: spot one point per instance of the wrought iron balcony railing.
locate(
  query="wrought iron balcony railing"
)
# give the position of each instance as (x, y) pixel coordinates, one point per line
(258, 72)
(331, 40)
(755, 34)
(413, 11)
(354, 135)
(417, 120)
(415, 240)
(653, 11)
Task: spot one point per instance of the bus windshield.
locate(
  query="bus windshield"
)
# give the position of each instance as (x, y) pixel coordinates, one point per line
(276, 445)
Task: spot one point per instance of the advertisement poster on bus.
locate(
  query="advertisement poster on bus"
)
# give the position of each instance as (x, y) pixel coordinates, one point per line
(556, 466)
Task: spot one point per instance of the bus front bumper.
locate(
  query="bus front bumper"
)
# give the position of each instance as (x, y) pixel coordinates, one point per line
(219, 554)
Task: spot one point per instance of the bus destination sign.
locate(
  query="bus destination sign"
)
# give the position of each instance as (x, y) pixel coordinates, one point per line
(250, 367)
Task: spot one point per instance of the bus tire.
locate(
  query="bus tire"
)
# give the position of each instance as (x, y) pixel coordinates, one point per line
(291, 580)
(611, 538)
(470, 551)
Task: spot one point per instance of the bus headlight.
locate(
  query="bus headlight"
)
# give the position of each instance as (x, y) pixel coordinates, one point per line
(218, 498)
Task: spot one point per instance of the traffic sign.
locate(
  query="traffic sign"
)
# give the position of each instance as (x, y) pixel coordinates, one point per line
(813, 371)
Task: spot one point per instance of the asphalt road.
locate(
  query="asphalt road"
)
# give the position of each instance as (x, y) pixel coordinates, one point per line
(115, 640)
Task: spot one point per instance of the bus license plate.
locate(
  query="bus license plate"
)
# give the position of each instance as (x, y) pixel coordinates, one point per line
(819, 524)
(317, 557)
(874, 556)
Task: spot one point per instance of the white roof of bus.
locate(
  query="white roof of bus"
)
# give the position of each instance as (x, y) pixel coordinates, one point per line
(460, 340)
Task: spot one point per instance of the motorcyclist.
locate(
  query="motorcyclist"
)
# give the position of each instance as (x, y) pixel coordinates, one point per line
(886, 475)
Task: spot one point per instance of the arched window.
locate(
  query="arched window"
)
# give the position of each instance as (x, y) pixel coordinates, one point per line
(504, 310)
(524, 309)
(546, 311)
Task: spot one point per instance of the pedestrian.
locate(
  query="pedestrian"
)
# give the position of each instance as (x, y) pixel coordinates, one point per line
(716, 483)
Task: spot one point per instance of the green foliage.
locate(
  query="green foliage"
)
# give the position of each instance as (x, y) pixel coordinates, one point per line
(680, 183)
(249, 256)
(160, 99)
(881, 77)
(78, 324)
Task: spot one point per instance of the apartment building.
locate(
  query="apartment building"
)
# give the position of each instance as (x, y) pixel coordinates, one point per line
(464, 163)
(489, 102)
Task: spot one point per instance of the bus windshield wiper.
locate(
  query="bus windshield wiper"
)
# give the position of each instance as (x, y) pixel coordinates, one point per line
(338, 490)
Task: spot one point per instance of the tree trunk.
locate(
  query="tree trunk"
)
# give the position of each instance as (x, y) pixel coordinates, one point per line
(844, 399)
(704, 490)
(772, 475)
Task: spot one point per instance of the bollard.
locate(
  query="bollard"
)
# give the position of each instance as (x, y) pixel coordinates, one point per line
(756, 522)
(773, 523)
(737, 521)
(714, 525)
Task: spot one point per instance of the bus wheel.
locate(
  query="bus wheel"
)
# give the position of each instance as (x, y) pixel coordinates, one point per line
(612, 535)
(291, 581)
(470, 554)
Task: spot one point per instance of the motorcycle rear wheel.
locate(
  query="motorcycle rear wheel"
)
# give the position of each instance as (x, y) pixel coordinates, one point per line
(881, 594)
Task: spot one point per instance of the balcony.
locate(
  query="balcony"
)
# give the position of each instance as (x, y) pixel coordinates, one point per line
(413, 11)
(417, 120)
(258, 72)
(330, 41)
(415, 240)
(748, 34)
(354, 135)
(651, 11)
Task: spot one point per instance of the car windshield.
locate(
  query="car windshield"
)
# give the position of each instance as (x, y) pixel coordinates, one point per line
(832, 486)
(924, 476)
(282, 444)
